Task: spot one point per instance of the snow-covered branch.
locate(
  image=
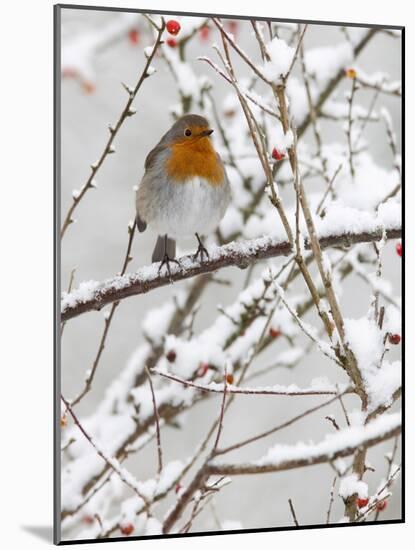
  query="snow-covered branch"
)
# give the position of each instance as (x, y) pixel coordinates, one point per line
(93, 295)
(339, 445)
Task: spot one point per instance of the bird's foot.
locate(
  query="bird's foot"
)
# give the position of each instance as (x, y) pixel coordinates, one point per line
(166, 261)
(201, 251)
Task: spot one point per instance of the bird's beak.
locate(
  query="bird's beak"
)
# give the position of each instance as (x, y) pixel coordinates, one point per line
(206, 132)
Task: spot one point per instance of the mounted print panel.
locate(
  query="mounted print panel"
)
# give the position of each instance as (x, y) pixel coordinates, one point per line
(229, 267)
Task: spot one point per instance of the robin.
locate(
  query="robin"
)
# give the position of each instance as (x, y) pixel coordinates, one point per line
(184, 190)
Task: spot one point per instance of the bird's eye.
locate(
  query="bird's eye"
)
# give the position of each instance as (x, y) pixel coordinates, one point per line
(188, 132)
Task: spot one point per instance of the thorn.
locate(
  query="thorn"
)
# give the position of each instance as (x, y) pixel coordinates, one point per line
(111, 128)
(131, 112)
(127, 88)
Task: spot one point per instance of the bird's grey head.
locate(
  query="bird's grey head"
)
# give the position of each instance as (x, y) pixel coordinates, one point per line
(189, 127)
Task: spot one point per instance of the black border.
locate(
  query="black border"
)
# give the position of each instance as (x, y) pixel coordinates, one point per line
(57, 291)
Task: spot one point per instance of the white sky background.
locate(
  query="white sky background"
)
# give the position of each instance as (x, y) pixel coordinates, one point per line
(96, 245)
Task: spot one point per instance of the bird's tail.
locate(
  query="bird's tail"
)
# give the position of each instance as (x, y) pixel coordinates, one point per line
(164, 245)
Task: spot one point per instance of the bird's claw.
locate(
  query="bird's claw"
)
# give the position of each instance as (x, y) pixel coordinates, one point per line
(166, 261)
(201, 250)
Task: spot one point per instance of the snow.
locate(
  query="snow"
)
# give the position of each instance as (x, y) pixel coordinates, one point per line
(83, 293)
(381, 380)
(352, 436)
(153, 527)
(324, 62)
(156, 322)
(371, 184)
(281, 56)
(351, 485)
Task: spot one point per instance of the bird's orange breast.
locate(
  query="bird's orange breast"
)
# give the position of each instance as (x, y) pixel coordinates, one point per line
(193, 159)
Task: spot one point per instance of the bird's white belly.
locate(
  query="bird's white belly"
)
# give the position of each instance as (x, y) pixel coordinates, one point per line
(191, 207)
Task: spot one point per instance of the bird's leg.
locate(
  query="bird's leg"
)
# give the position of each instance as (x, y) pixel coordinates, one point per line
(166, 258)
(201, 249)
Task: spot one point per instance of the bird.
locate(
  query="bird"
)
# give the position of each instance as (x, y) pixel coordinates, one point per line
(184, 190)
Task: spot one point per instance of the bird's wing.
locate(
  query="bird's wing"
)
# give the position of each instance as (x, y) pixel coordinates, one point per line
(151, 157)
(141, 224)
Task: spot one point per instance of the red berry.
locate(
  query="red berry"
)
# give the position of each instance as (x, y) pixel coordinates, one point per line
(362, 502)
(173, 27)
(134, 36)
(88, 87)
(277, 155)
(274, 332)
(232, 26)
(88, 519)
(202, 370)
(204, 33)
(171, 42)
(381, 505)
(229, 378)
(399, 249)
(177, 488)
(394, 339)
(171, 356)
(69, 72)
(127, 529)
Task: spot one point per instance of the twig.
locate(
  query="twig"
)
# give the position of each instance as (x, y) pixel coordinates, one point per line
(332, 420)
(222, 413)
(277, 428)
(349, 128)
(111, 462)
(157, 419)
(331, 500)
(238, 390)
(107, 323)
(108, 149)
(70, 285)
(293, 512)
(346, 416)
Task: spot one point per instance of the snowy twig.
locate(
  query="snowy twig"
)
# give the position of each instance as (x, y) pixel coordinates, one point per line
(113, 463)
(231, 389)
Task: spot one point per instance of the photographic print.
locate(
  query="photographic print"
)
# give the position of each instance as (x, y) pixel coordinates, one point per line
(229, 255)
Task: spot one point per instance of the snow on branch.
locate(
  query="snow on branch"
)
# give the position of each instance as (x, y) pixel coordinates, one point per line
(339, 445)
(293, 390)
(93, 295)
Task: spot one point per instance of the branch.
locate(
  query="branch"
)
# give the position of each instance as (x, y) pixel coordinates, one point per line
(95, 296)
(214, 387)
(340, 445)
